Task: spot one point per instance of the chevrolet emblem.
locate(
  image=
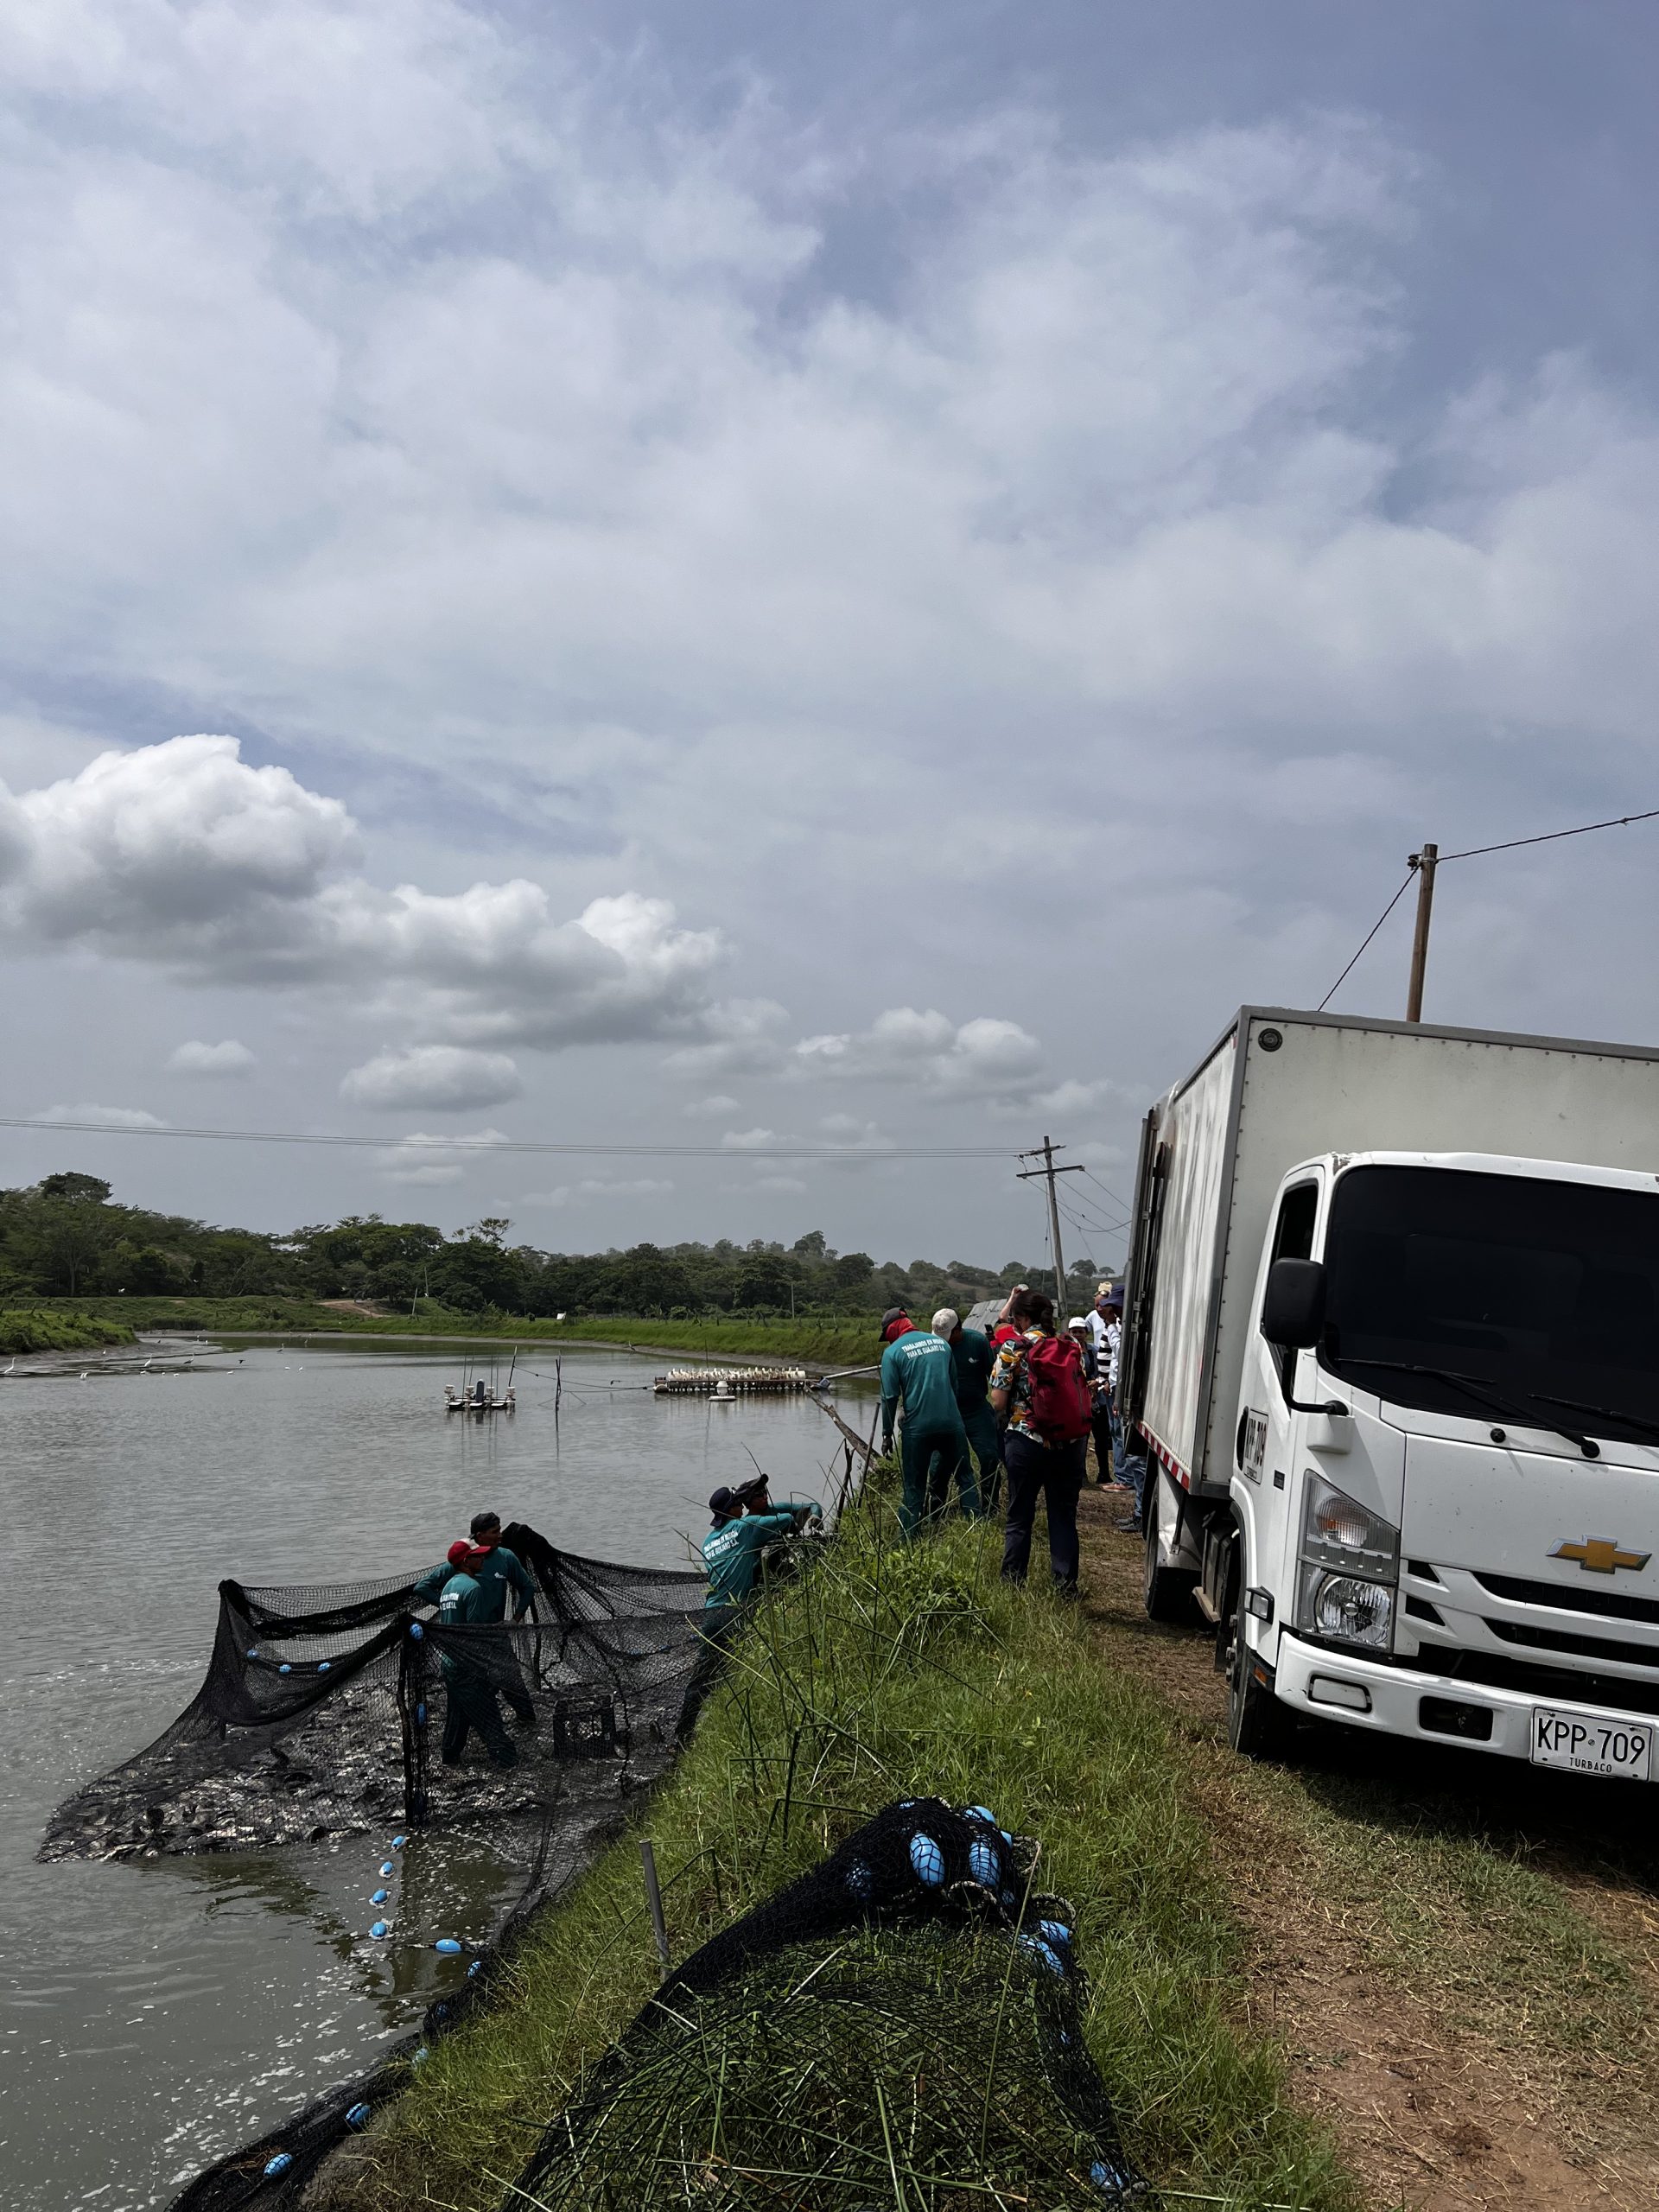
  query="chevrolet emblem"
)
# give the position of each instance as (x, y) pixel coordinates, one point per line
(1599, 1555)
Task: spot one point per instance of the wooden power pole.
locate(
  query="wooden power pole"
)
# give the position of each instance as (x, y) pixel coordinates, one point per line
(1424, 862)
(1048, 1171)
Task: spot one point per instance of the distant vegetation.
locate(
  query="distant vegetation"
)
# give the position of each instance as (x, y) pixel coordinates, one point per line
(66, 1237)
(42, 1331)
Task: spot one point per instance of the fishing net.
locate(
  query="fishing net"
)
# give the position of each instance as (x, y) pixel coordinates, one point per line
(328, 1709)
(903, 2025)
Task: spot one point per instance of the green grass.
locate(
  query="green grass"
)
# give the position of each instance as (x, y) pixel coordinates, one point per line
(892, 1672)
(38, 1330)
(830, 1341)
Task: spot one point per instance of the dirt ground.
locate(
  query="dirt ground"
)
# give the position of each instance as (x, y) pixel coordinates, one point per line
(1451, 2093)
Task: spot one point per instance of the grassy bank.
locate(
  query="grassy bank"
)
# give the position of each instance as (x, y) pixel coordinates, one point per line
(33, 1329)
(832, 1341)
(892, 1673)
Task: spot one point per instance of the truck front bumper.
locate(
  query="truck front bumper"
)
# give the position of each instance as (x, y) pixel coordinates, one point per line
(1330, 1686)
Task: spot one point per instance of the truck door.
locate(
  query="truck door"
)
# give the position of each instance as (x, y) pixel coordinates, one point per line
(1266, 1438)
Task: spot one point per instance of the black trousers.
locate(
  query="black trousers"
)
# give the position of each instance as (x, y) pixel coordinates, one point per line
(469, 1703)
(1103, 1425)
(1053, 1472)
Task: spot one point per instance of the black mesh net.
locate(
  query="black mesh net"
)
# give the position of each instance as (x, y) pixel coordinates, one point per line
(902, 2025)
(330, 1710)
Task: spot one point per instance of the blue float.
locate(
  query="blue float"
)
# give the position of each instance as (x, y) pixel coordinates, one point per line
(448, 1946)
(398, 1841)
(474, 1967)
(360, 2116)
(1007, 1900)
(380, 1931)
(380, 1897)
(420, 1716)
(279, 2164)
(323, 1665)
(859, 1880)
(386, 1865)
(1104, 2178)
(284, 1668)
(419, 2057)
(415, 1632)
(1038, 1950)
(1054, 1931)
(981, 1813)
(984, 1863)
(927, 1859)
(254, 1654)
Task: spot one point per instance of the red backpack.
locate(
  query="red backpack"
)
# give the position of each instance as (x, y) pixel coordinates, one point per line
(1060, 1410)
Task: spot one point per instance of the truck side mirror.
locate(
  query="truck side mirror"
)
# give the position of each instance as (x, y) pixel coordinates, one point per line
(1292, 1307)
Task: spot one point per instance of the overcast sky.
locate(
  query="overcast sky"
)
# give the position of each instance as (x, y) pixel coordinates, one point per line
(737, 576)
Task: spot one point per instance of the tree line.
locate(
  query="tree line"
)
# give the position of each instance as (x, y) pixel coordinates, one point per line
(66, 1236)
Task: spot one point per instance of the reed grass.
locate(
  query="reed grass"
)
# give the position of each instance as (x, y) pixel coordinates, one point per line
(894, 1671)
(33, 1329)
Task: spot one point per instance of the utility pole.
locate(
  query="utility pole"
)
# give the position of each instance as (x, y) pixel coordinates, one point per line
(1424, 862)
(1048, 1171)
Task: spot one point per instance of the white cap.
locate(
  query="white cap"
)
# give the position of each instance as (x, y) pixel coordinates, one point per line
(1077, 1322)
(945, 1321)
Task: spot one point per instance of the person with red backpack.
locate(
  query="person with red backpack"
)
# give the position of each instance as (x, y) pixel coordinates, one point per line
(1038, 1382)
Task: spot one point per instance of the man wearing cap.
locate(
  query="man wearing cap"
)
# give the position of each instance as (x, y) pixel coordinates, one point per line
(469, 1693)
(918, 1372)
(496, 1570)
(744, 1522)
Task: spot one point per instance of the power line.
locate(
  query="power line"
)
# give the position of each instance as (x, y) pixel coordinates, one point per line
(1370, 934)
(404, 1144)
(1548, 837)
(1116, 1198)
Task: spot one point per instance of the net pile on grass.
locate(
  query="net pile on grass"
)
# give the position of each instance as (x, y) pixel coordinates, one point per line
(322, 1705)
(902, 2026)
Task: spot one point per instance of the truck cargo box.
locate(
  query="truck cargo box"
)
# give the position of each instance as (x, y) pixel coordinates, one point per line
(1281, 1087)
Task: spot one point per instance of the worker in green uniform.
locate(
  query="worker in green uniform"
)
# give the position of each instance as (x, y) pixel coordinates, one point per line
(971, 1356)
(746, 1521)
(918, 1372)
(469, 1693)
(494, 1568)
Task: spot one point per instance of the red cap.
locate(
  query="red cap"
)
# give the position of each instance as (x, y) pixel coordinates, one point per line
(458, 1552)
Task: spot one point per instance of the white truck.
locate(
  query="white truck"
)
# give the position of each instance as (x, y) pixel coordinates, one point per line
(1391, 1339)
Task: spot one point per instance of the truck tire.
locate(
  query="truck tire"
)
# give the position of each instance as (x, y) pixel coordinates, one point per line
(1258, 1727)
(1167, 1590)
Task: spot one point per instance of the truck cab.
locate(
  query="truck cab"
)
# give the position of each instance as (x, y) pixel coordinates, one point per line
(1444, 1484)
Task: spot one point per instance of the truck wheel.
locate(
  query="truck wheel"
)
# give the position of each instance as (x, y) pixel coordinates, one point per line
(1257, 1724)
(1167, 1590)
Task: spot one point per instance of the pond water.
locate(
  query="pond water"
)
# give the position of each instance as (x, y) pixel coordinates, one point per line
(153, 2015)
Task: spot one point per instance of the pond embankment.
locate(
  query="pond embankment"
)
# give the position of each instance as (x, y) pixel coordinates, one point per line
(892, 1672)
(34, 1328)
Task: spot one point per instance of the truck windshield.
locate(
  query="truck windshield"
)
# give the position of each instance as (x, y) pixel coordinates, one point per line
(1547, 1293)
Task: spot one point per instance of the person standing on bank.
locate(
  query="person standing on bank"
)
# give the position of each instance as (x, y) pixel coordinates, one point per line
(468, 1691)
(971, 1356)
(918, 1372)
(1038, 1382)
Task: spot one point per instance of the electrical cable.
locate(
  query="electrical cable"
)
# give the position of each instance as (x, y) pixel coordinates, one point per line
(1370, 934)
(1116, 1196)
(510, 1144)
(1548, 837)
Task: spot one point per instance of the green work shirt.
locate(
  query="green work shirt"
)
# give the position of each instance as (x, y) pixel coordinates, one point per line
(972, 1355)
(732, 1551)
(460, 1606)
(494, 1571)
(919, 1369)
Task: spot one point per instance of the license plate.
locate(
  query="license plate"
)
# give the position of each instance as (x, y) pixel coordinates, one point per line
(1569, 1739)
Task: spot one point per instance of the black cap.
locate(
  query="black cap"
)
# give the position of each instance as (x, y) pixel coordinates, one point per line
(480, 1521)
(726, 1503)
(894, 1314)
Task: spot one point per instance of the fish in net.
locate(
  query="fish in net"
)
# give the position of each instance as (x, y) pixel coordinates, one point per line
(327, 1707)
(902, 2025)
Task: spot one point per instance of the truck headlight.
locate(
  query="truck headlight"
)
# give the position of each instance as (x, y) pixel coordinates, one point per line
(1350, 1569)
(1346, 1609)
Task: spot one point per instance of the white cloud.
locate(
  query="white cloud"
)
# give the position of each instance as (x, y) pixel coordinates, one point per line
(715, 1107)
(229, 1057)
(986, 1057)
(756, 1139)
(442, 1076)
(109, 1117)
(183, 855)
(422, 1158)
(597, 1187)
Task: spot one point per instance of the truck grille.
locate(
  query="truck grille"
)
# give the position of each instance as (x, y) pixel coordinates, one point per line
(1571, 1685)
(1608, 1603)
(1582, 1647)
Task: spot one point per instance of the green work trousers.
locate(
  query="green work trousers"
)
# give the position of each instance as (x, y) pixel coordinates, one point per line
(931, 1459)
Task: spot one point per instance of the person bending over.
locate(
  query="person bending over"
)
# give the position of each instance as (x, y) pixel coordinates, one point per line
(746, 1521)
